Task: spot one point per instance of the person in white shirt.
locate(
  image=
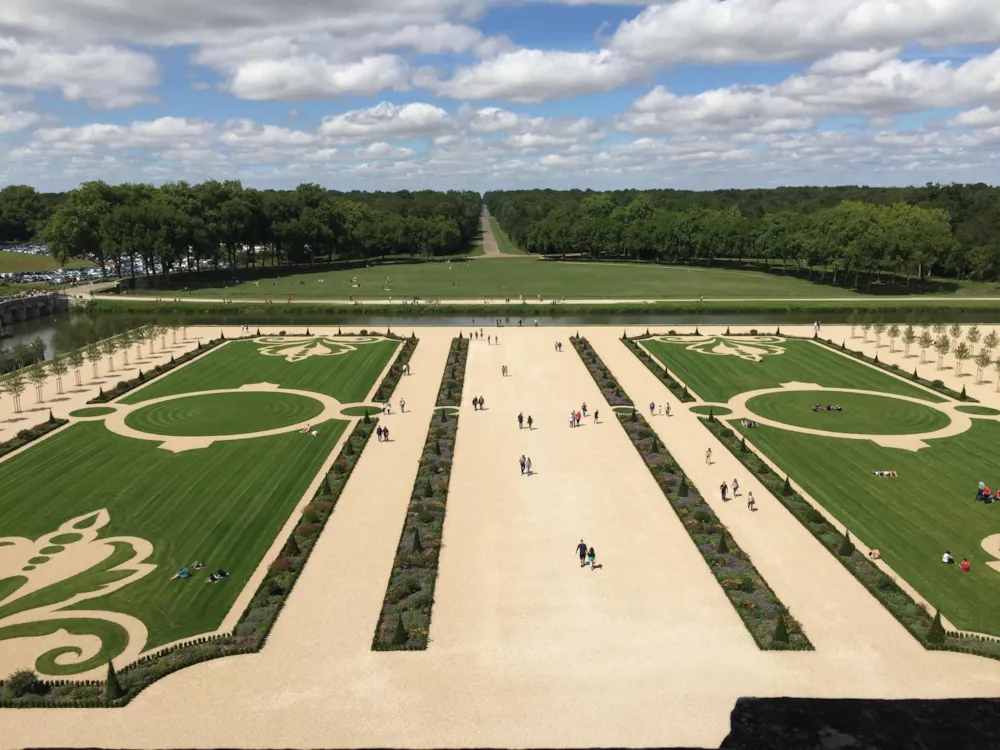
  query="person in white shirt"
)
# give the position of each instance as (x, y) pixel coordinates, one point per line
(947, 558)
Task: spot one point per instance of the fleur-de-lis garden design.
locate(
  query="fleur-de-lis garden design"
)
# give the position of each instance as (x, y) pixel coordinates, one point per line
(298, 349)
(750, 348)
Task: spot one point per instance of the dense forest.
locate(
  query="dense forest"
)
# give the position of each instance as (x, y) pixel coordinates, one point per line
(180, 225)
(854, 234)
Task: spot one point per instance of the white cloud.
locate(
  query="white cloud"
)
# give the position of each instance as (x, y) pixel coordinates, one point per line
(12, 122)
(853, 61)
(382, 150)
(244, 133)
(302, 78)
(980, 117)
(387, 120)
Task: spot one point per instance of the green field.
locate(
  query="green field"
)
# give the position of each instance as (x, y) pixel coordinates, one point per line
(17, 262)
(863, 413)
(912, 519)
(983, 411)
(346, 377)
(224, 413)
(222, 504)
(504, 243)
(718, 378)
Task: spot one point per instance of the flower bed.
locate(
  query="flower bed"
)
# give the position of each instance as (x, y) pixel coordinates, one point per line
(748, 592)
(125, 386)
(600, 373)
(914, 617)
(391, 379)
(24, 437)
(405, 619)
(450, 392)
(680, 391)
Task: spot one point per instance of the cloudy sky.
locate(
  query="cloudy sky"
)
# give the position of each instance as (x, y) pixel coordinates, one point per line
(490, 94)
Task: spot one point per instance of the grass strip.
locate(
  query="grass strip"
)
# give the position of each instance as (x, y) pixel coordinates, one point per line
(763, 614)
(917, 620)
(405, 619)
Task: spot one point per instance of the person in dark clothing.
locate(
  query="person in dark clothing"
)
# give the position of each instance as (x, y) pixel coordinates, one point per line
(581, 549)
(530, 422)
(596, 414)
(378, 432)
(520, 421)
(522, 460)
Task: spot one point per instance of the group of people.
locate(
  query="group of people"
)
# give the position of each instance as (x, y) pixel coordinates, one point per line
(576, 416)
(947, 559)
(662, 407)
(885, 474)
(819, 407)
(748, 423)
(587, 555)
(559, 346)
(477, 403)
(724, 489)
(525, 465)
(986, 494)
(383, 434)
(308, 430)
(520, 421)
(184, 573)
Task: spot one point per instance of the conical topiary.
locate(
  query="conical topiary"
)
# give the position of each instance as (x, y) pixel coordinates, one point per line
(842, 346)
(291, 548)
(399, 635)
(307, 331)
(723, 547)
(781, 631)
(348, 448)
(222, 335)
(876, 358)
(654, 447)
(418, 548)
(962, 396)
(624, 335)
(141, 376)
(112, 687)
(437, 447)
(100, 391)
(51, 418)
(647, 330)
(682, 488)
(338, 331)
(915, 376)
(846, 546)
(935, 633)
(428, 489)
(711, 414)
(368, 419)
(787, 489)
(696, 332)
(635, 415)
(777, 331)
(258, 332)
(727, 330)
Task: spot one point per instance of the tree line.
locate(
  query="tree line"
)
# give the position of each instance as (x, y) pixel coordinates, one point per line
(179, 225)
(844, 235)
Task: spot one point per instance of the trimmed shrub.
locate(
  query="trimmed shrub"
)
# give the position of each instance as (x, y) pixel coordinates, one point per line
(935, 633)
(723, 548)
(781, 631)
(399, 635)
(112, 688)
(846, 546)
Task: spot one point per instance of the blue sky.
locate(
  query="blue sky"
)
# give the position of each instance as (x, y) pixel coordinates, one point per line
(484, 94)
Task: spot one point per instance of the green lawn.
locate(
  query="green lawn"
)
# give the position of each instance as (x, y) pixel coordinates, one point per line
(224, 414)
(528, 276)
(866, 414)
(223, 504)
(504, 243)
(346, 377)
(16, 262)
(983, 411)
(719, 378)
(912, 519)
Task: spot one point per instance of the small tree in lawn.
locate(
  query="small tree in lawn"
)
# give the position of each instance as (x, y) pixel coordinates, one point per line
(893, 334)
(866, 326)
(59, 368)
(926, 341)
(13, 385)
(76, 360)
(124, 342)
(941, 346)
(955, 334)
(36, 375)
(991, 341)
(909, 336)
(93, 352)
(982, 360)
(108, 347)
(962, 354)
(879, 329)
(972, 336)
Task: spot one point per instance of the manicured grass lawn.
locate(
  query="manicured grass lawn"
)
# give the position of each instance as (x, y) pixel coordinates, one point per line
(984, 411)
(15, 262)
(504, 243)
(224, 413)
(528, 276)
(912, 519)
(223, 504)
(719, 378)
(863, 413)
(346, 377)
(719, 411)
(93, 411)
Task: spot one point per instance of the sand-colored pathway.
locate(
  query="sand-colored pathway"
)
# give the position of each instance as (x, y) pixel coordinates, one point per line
(526, 648)
(490, 247)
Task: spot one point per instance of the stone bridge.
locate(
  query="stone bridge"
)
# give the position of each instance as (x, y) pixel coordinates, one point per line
(20, 309)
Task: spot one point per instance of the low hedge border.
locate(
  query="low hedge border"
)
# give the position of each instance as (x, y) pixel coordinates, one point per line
(912, 616)
(680, 391)
(31, 434)
(453, 380)
(391, 379)
(255, 624)
(613, 393)
(405, 618)
(748, 592)
(935, 385)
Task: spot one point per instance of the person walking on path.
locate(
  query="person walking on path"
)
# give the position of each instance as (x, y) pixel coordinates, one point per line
(751, 503)
(667, 407)
(385, 434)
(596, 414)
(724, 489)
(481, 402)
(379, 433)
(708, 457)
(530, 422)
(489, 341)
(402, 405)
(591, 558)
(652, 407)
(406, 369)
(578, 419)
(572, 419)
(520, 422)
(581, 550)
(583, 408)
(736, 487)
(522, 460)
(527, 466)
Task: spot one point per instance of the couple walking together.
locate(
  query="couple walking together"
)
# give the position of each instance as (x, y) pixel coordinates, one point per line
(587, 556)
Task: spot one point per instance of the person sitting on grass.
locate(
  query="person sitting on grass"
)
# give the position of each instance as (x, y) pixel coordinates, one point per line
(838, 407)
(183, 573)
(817, 407)
(874, 554)
(964, 565)
(980, 491)
(197, 565)
(947, 559)
(217, 576)
(308, 427)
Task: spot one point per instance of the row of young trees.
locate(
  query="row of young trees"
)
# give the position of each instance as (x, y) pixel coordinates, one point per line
(81, 344)
(963, 344)
(853, 234)
(182, 225)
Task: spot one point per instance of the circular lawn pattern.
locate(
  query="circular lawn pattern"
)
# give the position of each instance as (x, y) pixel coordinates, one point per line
(718, 411)
(224, 414)
(359, 411)
(865, 414)
(94, 411)
(982, 411)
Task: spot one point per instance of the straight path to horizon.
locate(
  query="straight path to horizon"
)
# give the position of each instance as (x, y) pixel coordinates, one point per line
(490, 247)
